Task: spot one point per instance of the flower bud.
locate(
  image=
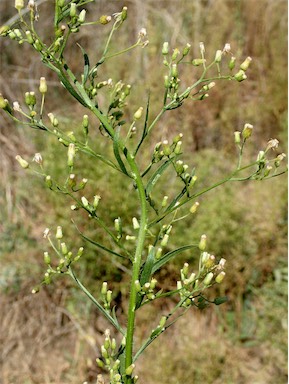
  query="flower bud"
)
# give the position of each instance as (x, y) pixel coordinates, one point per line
(247, 131)
(4, 104)
(30, 99)
(47, 258)
(245, 65)
(72, 11)
(130, 238)
(162, 322)
(198, 62)
(100, 363)
(104, 19)
(165, 240)
(167, 82)
(135, 223)
(48, 181)
(104, 288)
(165, 201)
(193, 180)
(194, 207)
(138, 114)
(29, 37)
(124, 13)
(108, 296)
(137, 285)
(218, 56)
(174, 71)
(261, 156)
(175, 54)
(232, 63)
(42, 85)
(19, 4)
(24, 164)
(240, 76)
(158, 253)
(81, 16)
(222, 263)
(203, 242)
(237, 136)
(178, 148)
(209, 86)
(59, 234)
(208, 278)
(186, 50)
(96, 201)
(70, 154)
(85, 202)
(184, 271)
(129, 370)
(165, 49)
(64, 249)
(220, 277)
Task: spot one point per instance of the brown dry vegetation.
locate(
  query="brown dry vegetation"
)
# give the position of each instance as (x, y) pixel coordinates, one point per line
(53, 337)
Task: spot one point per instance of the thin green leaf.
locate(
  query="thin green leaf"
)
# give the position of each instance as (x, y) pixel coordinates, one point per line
(116, 151)
(168, 256)
(147, 269)
(106, 314)
(145, 128)
(99, 245)
(155, 177)
(86, 67)
(146, 274)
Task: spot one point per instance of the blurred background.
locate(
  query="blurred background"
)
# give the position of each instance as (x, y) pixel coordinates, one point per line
(53, 337)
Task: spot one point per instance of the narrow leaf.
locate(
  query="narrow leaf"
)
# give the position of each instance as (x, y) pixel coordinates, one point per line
(99, 245)
(116, 151)
(147, 269)
(168, 256)
(155, 177)
(86, 65)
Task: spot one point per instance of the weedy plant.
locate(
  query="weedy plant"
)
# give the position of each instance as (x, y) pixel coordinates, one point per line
(143, 247)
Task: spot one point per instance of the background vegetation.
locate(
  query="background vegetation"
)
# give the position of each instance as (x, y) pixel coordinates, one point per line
(53, 337)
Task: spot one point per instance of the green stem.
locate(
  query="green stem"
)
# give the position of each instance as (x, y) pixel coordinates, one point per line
(136, 263)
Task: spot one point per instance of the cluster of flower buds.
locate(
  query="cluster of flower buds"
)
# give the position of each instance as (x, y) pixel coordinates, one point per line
(166, 149)
(172, 81)
(187, 178)
(108, 359)
(76, 18)
(90, 207)
(106, 295)
(66, 257)
(264, 164)
(148, 289)
(210, 272)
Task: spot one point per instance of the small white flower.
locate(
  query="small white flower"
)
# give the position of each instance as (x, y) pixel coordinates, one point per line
(142, 33)
(202, 47)
(227, 48)
(46, 232)
(31, 5)
(37, 158)
(272, 144)
(16, 106)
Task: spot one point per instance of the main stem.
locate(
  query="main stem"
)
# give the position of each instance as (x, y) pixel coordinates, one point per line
(136, 263)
